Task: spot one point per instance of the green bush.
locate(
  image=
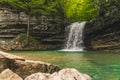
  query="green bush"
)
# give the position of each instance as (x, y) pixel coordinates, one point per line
(22, 38)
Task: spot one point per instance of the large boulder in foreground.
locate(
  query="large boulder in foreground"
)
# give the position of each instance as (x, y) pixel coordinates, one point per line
(27, 67)
(24, 67)
(103, 32)
(7, 74)
(65, 74)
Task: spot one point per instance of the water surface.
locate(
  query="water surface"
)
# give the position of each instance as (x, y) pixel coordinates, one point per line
(100, 66)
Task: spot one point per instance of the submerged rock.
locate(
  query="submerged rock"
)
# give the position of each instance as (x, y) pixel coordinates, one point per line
(65, 74)
(24, 67)
(7, 74)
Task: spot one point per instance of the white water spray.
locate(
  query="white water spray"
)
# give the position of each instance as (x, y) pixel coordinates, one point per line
(75, 37)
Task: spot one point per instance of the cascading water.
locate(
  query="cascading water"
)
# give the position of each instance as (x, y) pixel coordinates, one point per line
(75, 37)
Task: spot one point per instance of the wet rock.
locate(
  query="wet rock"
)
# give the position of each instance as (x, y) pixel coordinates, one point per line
(7, 74)
(65, 74)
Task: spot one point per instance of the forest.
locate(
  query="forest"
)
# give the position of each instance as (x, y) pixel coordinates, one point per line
(72, 9)
(59, 39)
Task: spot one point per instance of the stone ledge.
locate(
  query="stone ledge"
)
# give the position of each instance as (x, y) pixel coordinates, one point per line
(9, 56)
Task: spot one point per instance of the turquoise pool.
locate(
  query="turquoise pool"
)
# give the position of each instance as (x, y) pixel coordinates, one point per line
(99, 65)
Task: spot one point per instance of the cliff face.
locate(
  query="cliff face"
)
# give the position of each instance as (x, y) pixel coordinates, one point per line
(103, 32)
(48, 30)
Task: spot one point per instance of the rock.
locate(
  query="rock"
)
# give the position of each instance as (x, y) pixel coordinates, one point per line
(41, 27)
(103, 32)
(27, 67)
(38, 76)
(5, 58)
(9, 56)
(3, 63)
(65, 74)
(7, 74)
(71, 74)
(24, 67)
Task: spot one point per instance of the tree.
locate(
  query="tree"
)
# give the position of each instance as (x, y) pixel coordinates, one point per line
(79, 9)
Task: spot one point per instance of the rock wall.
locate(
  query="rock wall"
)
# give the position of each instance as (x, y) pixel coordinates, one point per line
(103, 32)
(49, 30)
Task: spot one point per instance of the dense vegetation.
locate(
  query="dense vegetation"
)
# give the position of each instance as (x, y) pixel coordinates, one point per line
(72, 9)
(79, 9)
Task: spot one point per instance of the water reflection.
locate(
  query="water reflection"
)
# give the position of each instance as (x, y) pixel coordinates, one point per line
(104, 66)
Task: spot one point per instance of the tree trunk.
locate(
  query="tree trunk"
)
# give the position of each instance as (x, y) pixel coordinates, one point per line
(28, 30)
(18, 20)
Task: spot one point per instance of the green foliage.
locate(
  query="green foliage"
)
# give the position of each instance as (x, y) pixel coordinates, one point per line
(22, 38)
(79, 9)
(73, 9)
(32, 7)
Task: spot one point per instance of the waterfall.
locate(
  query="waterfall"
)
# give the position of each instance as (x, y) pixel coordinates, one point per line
(75, 37)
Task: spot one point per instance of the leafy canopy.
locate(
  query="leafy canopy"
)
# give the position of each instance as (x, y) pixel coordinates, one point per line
(79, 9)
(31, 7)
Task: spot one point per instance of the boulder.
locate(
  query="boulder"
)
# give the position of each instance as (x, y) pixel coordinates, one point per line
(24, 67)
(27, 67)
(3, 62)
(65, 74)
(7, 74)
(5, 58)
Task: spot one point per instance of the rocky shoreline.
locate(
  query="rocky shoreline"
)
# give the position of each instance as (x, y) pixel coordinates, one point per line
(17, 68)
